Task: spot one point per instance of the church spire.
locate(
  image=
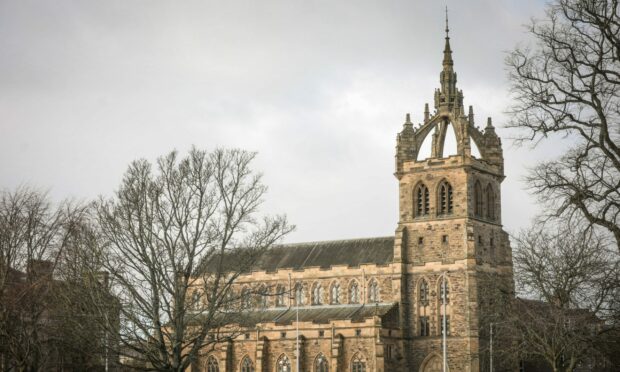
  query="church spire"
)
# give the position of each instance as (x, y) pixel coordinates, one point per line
(447, 52)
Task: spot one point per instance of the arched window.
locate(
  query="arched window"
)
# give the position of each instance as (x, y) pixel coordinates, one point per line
(490, 202)
(280, 296)
(246, 298)
(373, 291)
(445, 198)
(247, 365)
(478, 202)
(320, 364)
(261, 296)
(423, 292)
(212, 365)
(358, 364)
(335, 294)
(317, 294)
(283, 364)
(441, 290)
(354, 293)
(195, 300)
(422, 206)
(300, 294)
(444, 282)
(421, 201)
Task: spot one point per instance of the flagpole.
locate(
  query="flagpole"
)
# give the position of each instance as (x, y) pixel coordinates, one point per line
(297, 333)
(444, 330)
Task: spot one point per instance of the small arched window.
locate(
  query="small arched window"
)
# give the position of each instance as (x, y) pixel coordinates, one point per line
(441, 290)
(445, 198)
(283, 364)
(247, 365)
(423, 292)
(478, 202)
(212, 365)
(300, 294)
(422, 206)
(490, 202)
(335, 294)
(317, 294)
(246, 298)
(373, 291)
(195, 304)
(354, 293)
(280, 300)
(321, 365)
(358, 364)
(261, 296)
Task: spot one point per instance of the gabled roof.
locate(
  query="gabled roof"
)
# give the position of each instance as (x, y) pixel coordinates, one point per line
(353, 252)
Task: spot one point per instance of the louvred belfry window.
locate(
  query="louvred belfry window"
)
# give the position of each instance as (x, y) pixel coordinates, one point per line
(422, 201)
(445, 198)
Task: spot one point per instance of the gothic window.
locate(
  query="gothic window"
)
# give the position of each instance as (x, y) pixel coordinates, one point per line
(335, 294)
(478, 202)
(246, 298)
(246, 365)
(212, 365)
(261, 296)
(358, 364)
(490, 202)
(321, 365)
(373, 291)
(354, 293)
(424, 326)
(445, 198)
(422, 206)
(317, 294)
(195, 304)
(447, 325)
(283, 364)
(423, 292)
(280, 296)
(441, 289)
(300, 294)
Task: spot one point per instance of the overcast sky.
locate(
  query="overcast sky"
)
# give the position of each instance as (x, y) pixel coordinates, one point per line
(318, 88)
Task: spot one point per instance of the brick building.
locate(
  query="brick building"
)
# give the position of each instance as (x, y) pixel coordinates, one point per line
(377, 304)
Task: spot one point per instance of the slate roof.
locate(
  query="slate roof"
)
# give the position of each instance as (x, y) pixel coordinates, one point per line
(316, 314)
(353, 252)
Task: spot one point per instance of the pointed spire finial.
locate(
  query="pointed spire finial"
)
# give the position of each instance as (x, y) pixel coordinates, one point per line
(447, 52)
(447, 29)
(408, 119)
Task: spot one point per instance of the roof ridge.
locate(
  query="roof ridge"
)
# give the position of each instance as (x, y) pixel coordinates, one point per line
(334, 241)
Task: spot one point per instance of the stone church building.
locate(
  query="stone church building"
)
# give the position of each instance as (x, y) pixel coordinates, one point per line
(376, 304)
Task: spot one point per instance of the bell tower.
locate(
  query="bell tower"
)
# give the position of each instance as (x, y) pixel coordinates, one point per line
(449, 228)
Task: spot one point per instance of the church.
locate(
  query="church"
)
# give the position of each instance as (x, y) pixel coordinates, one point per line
(386, 303)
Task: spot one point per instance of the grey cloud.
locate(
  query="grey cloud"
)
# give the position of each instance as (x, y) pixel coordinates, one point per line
(318, 88)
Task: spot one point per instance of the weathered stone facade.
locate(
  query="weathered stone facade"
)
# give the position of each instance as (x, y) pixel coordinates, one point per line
(376, 304)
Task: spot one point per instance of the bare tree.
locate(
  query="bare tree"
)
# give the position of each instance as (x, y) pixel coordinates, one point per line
(568, 84)
(569, 281)
(174, 239)
(33, 234)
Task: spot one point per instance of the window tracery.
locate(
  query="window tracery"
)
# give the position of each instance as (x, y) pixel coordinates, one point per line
(335, 294)
(354, 293)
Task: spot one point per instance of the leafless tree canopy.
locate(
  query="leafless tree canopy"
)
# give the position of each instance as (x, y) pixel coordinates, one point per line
(568, 84)
(168, 237)
(568, 278)
(34, 234)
